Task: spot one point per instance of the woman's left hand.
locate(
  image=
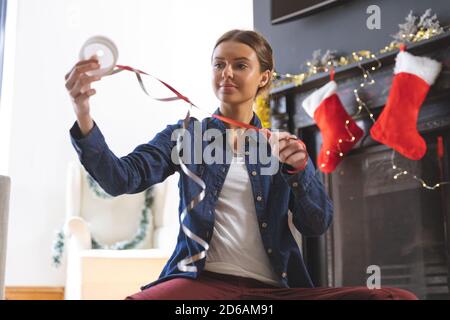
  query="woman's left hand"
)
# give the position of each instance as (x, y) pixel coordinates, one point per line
(288, 148)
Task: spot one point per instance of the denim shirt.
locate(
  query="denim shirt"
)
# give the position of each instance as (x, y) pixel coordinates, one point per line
(301, 193)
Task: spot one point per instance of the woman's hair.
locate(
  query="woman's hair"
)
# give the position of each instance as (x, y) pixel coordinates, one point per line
(259, 44)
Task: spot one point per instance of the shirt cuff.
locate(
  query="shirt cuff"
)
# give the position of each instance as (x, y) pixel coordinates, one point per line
(300, 180)
(90, 145)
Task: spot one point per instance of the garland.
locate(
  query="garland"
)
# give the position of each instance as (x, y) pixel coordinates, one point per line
(415, 29)
(141, 233)
(94, 186)
(262, 110)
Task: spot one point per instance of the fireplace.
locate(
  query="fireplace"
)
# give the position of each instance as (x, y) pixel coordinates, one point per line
(394, 224)
(391, 223)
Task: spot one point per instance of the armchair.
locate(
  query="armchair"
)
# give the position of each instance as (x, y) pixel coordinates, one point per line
(5, 184)
(107, 273)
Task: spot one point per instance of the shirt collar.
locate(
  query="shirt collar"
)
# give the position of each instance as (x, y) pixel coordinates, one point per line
(219, 124)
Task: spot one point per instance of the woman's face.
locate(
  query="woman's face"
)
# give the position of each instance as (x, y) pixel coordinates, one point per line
(236, 74)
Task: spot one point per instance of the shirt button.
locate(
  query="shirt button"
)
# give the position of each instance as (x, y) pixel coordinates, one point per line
(269, 250)
(259, 198)
(247, 153)
(254, 173)
(215, 192)
(284, 275)
(295, 184)
(264, 225)
(224, 169)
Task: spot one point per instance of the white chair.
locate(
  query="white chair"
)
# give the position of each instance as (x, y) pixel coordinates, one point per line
(5, 184)
(115, 274)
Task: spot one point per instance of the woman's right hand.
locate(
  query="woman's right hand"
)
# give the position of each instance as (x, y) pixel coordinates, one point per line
(78, 84)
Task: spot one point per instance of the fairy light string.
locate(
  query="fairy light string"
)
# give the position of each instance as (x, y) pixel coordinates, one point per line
(415, 33)
(368, 80)
(359, 58)
(403, 172)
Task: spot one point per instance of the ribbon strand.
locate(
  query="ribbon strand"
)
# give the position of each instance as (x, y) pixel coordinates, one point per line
(184, 264)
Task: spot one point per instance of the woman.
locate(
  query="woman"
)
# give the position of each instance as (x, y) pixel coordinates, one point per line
(246, 217)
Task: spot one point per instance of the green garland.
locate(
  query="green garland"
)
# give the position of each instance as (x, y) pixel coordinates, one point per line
(141, 233)
(58, 248)
(94, 186)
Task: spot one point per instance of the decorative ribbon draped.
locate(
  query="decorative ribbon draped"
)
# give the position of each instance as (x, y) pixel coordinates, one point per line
(184, 264)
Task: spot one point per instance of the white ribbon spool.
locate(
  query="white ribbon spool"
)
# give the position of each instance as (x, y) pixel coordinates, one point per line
(106, 52)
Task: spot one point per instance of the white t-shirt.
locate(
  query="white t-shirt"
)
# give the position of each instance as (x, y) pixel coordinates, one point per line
(236, 247)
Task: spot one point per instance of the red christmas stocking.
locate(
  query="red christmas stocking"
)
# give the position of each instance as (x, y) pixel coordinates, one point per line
(397, 125)
(339, 132)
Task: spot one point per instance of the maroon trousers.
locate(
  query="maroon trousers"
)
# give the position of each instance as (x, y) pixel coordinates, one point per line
(215, 286)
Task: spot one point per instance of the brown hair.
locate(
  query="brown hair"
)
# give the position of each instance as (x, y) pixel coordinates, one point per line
(259, 44)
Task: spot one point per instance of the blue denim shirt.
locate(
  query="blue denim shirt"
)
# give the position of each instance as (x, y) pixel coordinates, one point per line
(274, 195)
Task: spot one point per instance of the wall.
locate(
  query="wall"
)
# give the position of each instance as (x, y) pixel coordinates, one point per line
(171, 39)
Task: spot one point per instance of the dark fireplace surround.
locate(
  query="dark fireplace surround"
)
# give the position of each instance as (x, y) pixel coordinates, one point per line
(394, 224)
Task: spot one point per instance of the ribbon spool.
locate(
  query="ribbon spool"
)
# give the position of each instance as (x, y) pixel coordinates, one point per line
(104, 50)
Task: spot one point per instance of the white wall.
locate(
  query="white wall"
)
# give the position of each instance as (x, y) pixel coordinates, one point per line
(171, 39)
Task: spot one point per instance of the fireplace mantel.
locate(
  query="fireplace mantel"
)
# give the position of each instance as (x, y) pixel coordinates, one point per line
(285, 101)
